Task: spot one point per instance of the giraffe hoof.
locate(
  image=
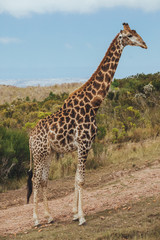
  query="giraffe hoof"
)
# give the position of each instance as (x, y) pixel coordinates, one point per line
(37, 224)
(75, 217)
(82, 221)
(50, 220)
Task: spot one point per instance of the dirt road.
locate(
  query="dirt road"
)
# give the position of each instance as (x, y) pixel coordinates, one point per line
(101, 192)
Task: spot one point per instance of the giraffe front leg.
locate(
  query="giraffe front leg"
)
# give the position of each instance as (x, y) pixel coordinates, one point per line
(46, 208)
(79, 182)
(75, 204)
(82, 219)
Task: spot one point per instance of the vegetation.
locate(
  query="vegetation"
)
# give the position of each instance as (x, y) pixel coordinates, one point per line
(130, 112)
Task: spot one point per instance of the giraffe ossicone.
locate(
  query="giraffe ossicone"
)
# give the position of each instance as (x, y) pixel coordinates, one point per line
(73, 127)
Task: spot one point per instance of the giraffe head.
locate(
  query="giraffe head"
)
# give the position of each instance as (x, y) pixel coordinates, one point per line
(131, 37)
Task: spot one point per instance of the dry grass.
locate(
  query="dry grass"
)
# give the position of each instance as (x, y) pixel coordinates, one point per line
(10, 93)
(113, 157)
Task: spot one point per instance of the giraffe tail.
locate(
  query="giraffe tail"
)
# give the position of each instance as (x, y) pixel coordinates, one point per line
(29, 181)
(29, 185)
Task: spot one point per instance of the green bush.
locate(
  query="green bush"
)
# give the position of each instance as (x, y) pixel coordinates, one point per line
(101, 132)
(14, 153)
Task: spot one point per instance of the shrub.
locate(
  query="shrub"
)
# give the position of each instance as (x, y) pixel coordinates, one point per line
(101, 132)
(14, 153)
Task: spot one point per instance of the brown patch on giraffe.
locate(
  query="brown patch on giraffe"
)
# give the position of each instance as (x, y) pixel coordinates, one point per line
(75, 102)
(96, 101)
(61, 130)
(100, 78)
(69, 139)
(54, 127)
(96, 85)
(102, 93)
(68, 119)
(105, 67)
(73, 113)
(94, 92)
(113, 58)
(107, 60)
(111, 73)
(113, 48)
(59, 137)
(80, 95)
(81, 103)
(89, 95)
(87, 107)
(80, 120)
(117, 60)
(70, 104)
(87, 118)
(89, 88)
(82, 111)
(63, 142)
(113, 66)
(77, 108)
(86, 99)
(107, 78)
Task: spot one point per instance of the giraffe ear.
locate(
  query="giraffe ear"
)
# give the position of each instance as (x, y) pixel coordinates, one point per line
(126, 27)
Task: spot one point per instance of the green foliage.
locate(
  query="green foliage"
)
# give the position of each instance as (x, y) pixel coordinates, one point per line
(101, 132)
(29, 125)
(14, 153)
(27, 99)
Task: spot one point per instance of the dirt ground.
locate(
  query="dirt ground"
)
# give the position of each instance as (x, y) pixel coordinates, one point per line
(102, 191)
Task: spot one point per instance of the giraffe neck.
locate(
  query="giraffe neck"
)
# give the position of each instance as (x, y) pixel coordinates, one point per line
(100, 81)
(95, 89)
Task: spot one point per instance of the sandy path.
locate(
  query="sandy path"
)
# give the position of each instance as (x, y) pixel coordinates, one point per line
(127, 188)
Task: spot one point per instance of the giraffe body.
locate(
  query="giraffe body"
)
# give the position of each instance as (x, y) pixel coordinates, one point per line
(73, 127)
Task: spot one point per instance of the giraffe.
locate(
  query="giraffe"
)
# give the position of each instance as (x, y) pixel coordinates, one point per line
(73, 127)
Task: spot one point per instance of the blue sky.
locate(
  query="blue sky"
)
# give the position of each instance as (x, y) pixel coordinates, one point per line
(44, 39)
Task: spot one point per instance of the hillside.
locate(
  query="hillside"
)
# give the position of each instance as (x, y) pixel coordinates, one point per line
(11, 93)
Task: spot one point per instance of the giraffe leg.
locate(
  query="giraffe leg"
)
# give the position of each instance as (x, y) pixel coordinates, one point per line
(35, 206)
(75, 206)
(44, 182)
(79, 182)
(80, 204)
(47, 212)
(37, 175)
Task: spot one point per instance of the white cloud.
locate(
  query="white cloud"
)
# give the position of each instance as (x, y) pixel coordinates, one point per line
(21, 8)
(7, 40)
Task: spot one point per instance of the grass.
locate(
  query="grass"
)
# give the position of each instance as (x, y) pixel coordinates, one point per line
(113, 157)
(13, 184)
(128, 155)
(134, 221)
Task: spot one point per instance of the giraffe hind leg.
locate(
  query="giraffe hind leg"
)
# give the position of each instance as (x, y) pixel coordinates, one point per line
(44, 182)
(36, 186)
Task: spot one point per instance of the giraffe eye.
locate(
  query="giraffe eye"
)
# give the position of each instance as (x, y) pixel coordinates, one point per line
(130, 36)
